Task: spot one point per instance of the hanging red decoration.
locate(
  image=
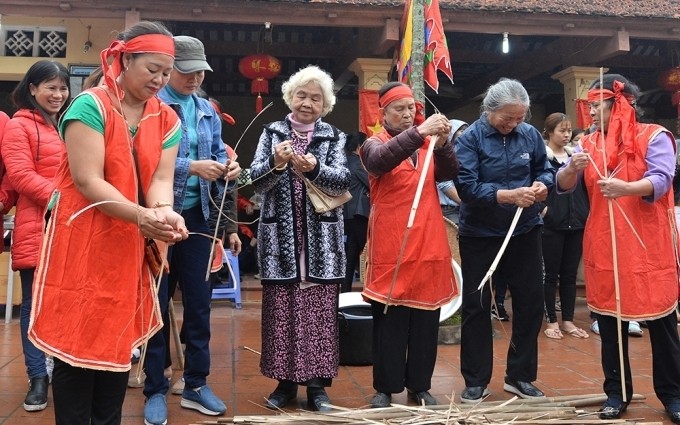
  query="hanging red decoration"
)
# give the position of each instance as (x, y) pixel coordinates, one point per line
(259, 68)
(670, 81)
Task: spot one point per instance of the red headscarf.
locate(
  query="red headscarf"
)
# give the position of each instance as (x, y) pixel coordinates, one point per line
(622, 122)
(148, 43)
(402, 92)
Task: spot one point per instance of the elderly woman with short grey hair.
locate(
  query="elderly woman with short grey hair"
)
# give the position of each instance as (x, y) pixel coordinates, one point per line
(503, 167)
(300, 251)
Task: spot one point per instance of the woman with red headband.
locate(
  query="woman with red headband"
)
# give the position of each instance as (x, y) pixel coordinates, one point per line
(94, 296)
(406, 306)
(628, 170)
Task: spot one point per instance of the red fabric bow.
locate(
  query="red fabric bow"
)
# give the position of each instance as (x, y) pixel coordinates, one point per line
(622, 121)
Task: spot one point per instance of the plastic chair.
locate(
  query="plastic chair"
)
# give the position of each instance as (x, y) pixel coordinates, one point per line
(231, 289)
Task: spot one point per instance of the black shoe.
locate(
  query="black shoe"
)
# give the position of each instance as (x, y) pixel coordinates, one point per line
(498, 312)
(284, 393)
(36, 399)
(473, 394)
(381, 400)
(522, 389)
(317, 400)
(423, 398)
(673, 411)
(612, 409)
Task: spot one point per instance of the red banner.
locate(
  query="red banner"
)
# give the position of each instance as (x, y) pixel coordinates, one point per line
(370, 121)
(583, 118)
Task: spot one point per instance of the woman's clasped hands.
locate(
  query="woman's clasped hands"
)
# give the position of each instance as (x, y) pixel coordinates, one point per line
(162, 224)
(284, 155)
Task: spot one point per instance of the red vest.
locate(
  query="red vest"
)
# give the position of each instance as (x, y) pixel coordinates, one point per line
(93, 297)
(425, 279)
(648, 275)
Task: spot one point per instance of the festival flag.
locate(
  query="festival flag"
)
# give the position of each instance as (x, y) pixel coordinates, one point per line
(369, 112)
(583, 118)
(404, 58)
(436, 55)
(436, 48)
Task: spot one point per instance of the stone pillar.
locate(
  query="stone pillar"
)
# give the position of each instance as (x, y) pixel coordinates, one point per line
(131, 17)
(576, 80)
(372, 73)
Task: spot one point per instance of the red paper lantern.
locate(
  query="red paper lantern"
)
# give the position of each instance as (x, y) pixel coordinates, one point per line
(670, 81)
(260, 68)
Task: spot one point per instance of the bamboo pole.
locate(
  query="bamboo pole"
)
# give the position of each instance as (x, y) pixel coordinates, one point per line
(615, 259)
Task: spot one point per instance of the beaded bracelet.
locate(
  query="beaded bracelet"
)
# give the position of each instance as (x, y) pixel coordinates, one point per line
(160, 204)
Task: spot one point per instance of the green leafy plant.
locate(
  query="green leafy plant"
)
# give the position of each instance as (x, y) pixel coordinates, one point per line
(456, 319)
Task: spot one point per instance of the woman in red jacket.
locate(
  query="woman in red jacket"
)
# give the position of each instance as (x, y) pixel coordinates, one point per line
(31, 152)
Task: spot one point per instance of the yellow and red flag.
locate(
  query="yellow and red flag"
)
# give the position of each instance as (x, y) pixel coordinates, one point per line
(404, 58)
(436, 55)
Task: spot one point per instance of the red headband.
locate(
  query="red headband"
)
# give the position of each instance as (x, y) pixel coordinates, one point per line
(149, 43)
(622, 122)
(396, 93)
(402, 92)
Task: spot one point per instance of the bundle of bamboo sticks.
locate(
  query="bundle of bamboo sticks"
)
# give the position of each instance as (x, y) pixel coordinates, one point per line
(548, 410)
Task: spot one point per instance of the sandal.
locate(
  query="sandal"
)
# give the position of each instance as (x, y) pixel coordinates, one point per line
(577, 333)
(553, 333)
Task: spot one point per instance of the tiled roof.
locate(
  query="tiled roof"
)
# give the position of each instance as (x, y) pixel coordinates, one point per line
(622, 8)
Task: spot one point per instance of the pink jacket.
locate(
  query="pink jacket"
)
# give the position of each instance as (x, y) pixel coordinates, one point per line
(31, 152)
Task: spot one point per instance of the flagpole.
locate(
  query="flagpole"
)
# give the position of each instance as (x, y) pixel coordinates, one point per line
(418, 51)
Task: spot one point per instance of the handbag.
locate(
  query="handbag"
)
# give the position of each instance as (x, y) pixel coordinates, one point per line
(154, 258)
(322, 201)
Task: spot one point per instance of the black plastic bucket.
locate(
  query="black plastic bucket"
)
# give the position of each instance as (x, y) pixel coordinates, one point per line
(355, 325)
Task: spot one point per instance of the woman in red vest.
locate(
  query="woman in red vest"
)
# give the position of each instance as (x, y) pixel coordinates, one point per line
(405, 333)
(94, 294)
(628, 179)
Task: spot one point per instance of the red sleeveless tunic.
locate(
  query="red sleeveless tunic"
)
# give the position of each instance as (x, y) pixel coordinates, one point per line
(93, 296)
(425, 278)
(648, 275)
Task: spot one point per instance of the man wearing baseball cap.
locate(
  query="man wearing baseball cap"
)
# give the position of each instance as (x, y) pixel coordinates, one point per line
(201, 165)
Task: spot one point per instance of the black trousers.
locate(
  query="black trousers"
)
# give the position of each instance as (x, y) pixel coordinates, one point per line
(356, 229)
(87, 396)
(404, 348)
(562, 250)
(663, 335)
(521, 266)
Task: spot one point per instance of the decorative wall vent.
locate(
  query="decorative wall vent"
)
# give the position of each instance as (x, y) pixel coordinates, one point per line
(38, 42)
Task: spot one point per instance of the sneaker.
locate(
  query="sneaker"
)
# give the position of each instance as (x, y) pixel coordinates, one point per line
(318, 401)
(473, 394)
(522, 389)
(634, 328)
(595, 327)
(256, 276)
(422, 398)
(49, 365)
(381, 400)
(136, 354)
(156, 410)
(36, 398)
(498, 312)
(203, 400)
(178, 386)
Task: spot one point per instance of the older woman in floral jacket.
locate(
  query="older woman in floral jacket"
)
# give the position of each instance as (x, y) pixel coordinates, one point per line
(301, 253)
